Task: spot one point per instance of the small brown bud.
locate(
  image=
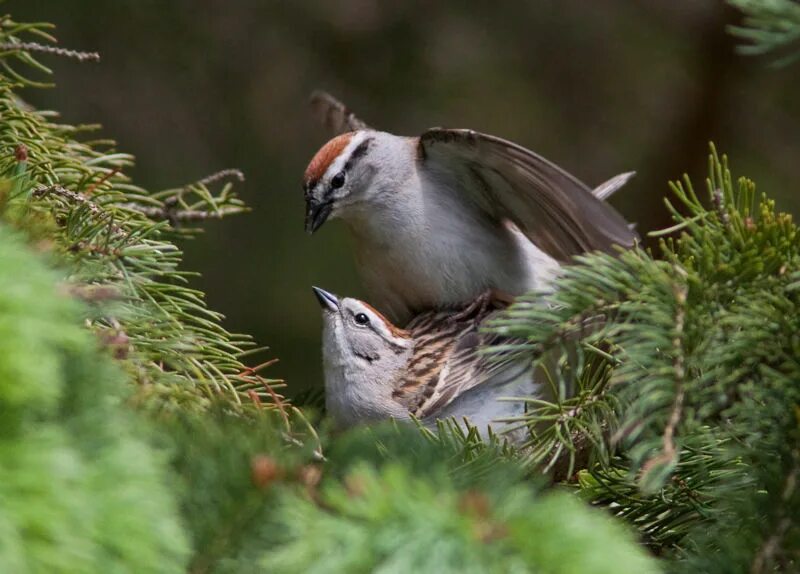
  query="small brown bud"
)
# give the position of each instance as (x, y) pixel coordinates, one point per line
(21, 153)
(264, 470)
(474, 503)
(121, 346)
(94, 293)
(117, 342)
(477, 505)
(310, 475)
(355, 485)
(749, 224)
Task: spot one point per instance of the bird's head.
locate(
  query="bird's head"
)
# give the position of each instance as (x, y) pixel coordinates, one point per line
(363, 355)
(352, 171)
(335, 176)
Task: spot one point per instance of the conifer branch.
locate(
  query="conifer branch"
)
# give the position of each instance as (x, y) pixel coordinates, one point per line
(769, 26)
(704, 344)
(112, 233)
(43, 49)
(43, 191)
(169, 213)
(222, 174)
(668, 451)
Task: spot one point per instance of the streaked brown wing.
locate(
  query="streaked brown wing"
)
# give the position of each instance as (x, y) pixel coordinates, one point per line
(447, 359)
(333, 114)
(467, 369)
(554, 209)
(435, 336)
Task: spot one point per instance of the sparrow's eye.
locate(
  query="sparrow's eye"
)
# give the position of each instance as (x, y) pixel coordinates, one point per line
(361, 319)
(338, 180)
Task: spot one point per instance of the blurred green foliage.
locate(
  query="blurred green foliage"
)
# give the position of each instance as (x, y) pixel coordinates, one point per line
(392, 500)
(80, 488)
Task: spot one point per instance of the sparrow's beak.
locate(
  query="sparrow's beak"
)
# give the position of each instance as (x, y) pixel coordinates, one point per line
(328, 301)
(316, 213)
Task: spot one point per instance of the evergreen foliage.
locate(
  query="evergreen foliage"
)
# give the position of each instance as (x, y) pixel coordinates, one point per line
(386, 499)
(80, 491)
(769, 26)
(394, 501)
(701, 379)
(117, 240)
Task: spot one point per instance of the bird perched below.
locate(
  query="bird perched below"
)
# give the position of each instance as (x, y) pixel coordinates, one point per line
(433, 369)
(442, 218)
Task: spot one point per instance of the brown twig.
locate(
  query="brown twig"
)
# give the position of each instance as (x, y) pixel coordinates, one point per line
(668, 449)
(765, 554)
(75, 197)
(214, 177)
(171, 214)
(44, 49)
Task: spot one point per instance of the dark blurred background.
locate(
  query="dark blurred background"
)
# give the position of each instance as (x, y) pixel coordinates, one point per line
(193, 86)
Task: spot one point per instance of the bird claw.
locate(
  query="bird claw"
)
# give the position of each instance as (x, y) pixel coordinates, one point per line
(477, 308)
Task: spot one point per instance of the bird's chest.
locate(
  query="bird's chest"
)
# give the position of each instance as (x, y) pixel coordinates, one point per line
(431, 262)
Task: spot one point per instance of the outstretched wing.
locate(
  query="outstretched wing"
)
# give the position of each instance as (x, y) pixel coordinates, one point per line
(554, 209)
(333, 114)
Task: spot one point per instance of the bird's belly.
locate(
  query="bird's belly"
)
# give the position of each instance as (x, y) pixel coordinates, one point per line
(416, 274)
(489, 406)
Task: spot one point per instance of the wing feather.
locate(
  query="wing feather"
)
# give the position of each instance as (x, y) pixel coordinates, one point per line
(554, 209)
(467, 369)
(334, 115)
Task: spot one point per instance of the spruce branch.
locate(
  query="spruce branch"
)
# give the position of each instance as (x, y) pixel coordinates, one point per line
(193, 202)
(169, 213)
(43, 49)
(769, 26)
(701, 366)
(669, 452)
(109, 232)
(79, 199)
(220, 175)
(84, 489)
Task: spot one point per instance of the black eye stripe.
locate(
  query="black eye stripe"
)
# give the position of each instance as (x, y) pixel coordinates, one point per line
(358, 153)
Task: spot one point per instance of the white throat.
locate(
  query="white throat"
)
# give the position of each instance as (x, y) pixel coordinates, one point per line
(358, 390)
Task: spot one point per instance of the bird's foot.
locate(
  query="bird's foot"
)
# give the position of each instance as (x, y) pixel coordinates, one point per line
(488, 300)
